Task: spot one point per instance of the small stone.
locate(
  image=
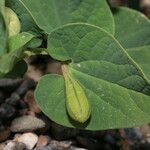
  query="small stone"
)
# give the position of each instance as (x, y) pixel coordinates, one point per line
(26, 85)
(29, 139)
(61, 144)
(145, 3)
(31, 113)
(52, 147)
(34, 73)
(47, 125)
(16, 136)
(133, 134)
(29, 99)
(54, 67)
(26, 123)
(43, 141)
(76, 148)
(13, 99)
(45, 148)
(4, 134)
(6, 111)
(145, 129)
(10, 84)
(13, 145)
(2, 145)
(110, 139)
(58, 145)
(148, 140)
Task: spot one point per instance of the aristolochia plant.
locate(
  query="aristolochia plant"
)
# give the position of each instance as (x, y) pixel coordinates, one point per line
(105, 57)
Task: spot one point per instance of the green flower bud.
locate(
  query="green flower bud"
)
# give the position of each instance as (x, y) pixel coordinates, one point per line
(77, 104)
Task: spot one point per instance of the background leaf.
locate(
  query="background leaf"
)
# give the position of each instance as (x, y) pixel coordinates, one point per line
(142, 56)
(133, 32)
(116, 88)
(19, 40)
(132, 28)
(51, 14)
(2, 5)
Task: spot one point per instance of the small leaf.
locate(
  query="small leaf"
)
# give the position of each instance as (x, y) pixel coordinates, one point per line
(19, 40)
(35, 43)
(76, 101)
(17, 46)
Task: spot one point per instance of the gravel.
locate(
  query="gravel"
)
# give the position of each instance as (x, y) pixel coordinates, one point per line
(26, 123)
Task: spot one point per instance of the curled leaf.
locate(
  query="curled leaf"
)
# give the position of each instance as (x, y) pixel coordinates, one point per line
(77, 104)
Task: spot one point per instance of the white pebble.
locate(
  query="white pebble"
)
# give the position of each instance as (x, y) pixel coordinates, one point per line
(29, 139)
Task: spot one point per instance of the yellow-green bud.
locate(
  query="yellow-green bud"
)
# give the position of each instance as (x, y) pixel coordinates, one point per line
(77, 104)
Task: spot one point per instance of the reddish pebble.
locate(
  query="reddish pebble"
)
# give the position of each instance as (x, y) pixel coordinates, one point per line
(29, 99)
(43, 141)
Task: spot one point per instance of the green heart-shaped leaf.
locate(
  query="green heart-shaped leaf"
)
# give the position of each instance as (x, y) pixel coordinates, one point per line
(115, 87)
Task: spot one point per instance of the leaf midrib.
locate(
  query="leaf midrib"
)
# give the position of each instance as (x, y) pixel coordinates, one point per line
(113, 64)
(114, 84)
(107, 81)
